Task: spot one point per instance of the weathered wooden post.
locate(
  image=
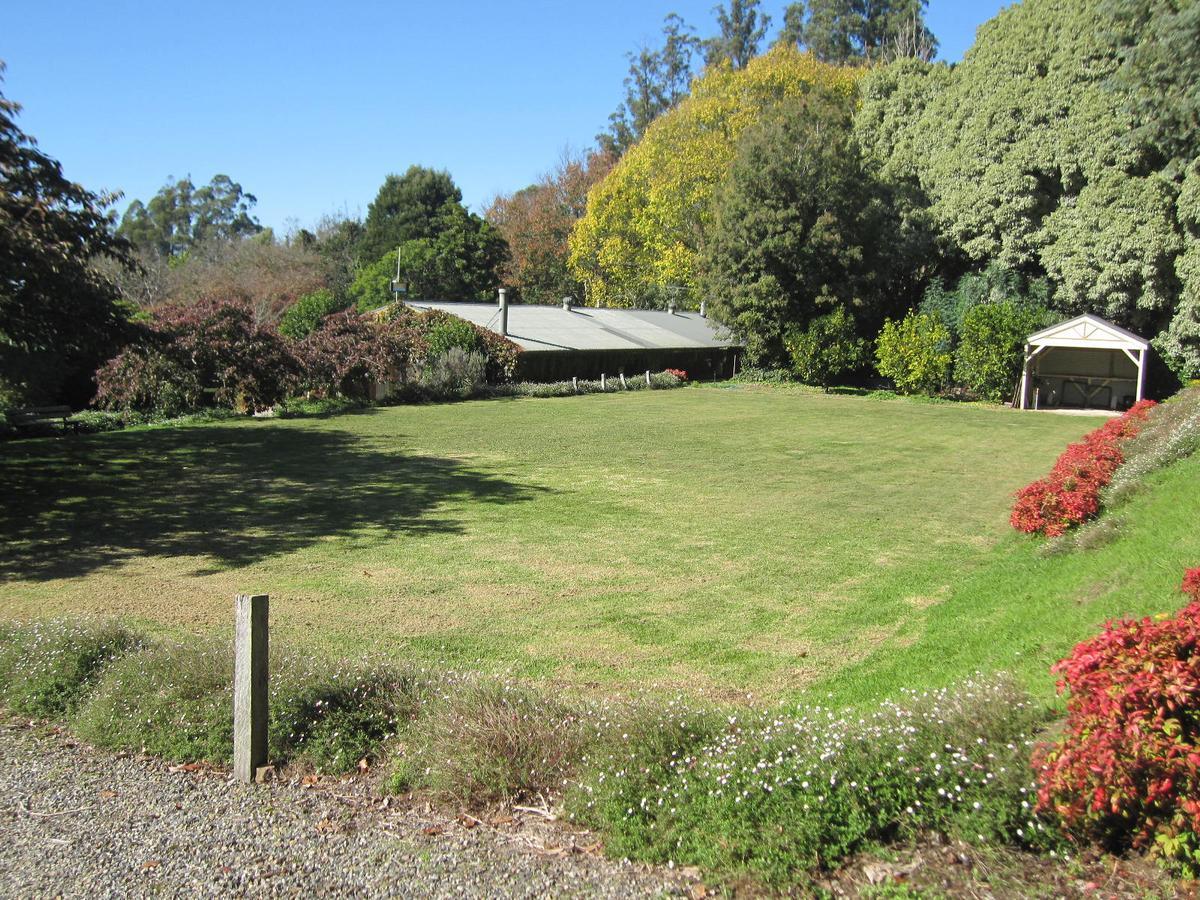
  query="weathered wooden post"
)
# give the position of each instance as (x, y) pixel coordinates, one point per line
(575, 383)
(603, 384)
(624, 386)
(647, 378)
(249, 686)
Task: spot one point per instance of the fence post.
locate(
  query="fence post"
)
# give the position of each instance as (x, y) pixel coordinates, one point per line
(575, 383)
(603, 385)
(249, 686)
(647, 378)
(624, 386)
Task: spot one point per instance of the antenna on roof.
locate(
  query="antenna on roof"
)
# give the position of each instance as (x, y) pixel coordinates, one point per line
(399, 287)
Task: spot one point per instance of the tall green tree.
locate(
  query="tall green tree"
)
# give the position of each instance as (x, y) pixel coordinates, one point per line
(857, 31)
(743, 25)
(181, 215)
(408, 207)
(799, 230)
(59, 316)
(657, 80)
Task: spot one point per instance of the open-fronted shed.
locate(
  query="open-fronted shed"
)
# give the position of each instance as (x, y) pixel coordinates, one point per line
(1083, 362)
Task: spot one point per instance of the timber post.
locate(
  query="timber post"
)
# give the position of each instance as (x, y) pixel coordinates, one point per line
(250, 676)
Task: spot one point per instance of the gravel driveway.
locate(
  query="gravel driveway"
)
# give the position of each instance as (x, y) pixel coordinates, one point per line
(82, 822)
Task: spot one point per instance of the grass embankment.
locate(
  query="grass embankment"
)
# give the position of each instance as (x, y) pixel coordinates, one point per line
(730, 539)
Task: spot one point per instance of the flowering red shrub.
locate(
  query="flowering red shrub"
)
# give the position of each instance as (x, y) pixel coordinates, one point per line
(678, 373)
(1070, 494)
(1127, 770)
(1191, 583)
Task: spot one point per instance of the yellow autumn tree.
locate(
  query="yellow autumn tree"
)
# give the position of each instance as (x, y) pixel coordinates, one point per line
(638, 241)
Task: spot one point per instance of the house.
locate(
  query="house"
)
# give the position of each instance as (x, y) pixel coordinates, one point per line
(567, 341)
(1085, 362)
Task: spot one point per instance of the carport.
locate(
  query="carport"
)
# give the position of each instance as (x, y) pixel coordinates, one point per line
(1085, 363)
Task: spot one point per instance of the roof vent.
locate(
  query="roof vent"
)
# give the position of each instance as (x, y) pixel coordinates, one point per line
(671, 307)
(702, 313)
(566, 303)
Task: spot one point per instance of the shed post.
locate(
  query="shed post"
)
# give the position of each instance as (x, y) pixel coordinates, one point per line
(1141, 382)
(1025, 378)
(249, 686)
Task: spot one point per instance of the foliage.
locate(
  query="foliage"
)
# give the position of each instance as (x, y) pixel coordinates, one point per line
(1171, 434)
(742, 25)
(493, 740)
(781, 794)
(449, 333)
(59, 315)
(1022, 153)
(646, 220)
(348, 351)
(845, 31)
(991, 337)
(193, 356)
(798, 230)
(180, 216)
(305, 315)
(1127, 770)
(1070, 494)
(407, 207)
(993, 285)
(502, 354)
(47, 668)
(657, 80)
(914, 353)
(267, 274)
(455, 374)
(536, 222)
(828, 348)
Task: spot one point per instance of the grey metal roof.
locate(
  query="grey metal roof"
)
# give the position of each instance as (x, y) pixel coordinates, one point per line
(550, 328)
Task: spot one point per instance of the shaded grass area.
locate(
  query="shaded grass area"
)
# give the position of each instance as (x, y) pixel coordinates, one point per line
(734, 540)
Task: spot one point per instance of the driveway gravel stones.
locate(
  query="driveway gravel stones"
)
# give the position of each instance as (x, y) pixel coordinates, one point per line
(79, 822)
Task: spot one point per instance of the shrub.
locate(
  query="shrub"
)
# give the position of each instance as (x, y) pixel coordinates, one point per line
(191, 356)
(914, 353)
(828, 348)
(302, 317)
(47, 668)
(991, 337)
(1070, 494)
(678, 374)
(451, 332)
(497, 741)
(455, 375)
(175, 700)
(348, 351)
(1127, 770)
(779, 794)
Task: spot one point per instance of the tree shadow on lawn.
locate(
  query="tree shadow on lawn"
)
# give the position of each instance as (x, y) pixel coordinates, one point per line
(236, 494)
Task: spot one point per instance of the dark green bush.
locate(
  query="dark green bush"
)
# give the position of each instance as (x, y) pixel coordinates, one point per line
(990, 349)
(456, 374)
(827, 348)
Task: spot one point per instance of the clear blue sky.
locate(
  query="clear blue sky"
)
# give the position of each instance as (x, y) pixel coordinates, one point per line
(310, 105)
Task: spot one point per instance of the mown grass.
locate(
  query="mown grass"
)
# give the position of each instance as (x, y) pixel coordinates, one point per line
(737, 539)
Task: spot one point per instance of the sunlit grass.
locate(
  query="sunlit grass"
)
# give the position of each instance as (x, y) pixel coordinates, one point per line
(731, 539)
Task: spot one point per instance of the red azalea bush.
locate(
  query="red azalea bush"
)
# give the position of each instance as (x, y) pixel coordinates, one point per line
(1070, 494)
(678, 373)
(1127, 770)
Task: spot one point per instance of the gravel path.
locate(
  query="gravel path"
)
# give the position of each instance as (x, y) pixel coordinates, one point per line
(76, 822)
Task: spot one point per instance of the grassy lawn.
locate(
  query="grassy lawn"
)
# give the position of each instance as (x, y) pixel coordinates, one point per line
(728, 539)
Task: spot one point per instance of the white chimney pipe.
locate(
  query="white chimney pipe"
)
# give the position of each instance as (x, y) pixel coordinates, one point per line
(671, 307)
(503, 312)
(566, 303)
(702, 315)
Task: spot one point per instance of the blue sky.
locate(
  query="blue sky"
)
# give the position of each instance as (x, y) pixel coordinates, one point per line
(310, 105)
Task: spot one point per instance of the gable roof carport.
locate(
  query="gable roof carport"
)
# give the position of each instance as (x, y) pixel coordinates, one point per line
(1077, 348)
